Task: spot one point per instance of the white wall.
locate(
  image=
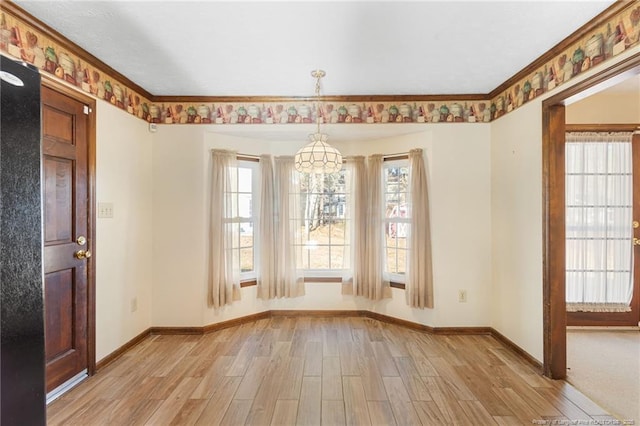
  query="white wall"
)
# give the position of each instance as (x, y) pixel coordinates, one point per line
(516, 210)
(123, 243)
(458, 164)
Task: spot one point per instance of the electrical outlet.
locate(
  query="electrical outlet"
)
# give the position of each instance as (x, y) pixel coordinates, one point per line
(105, 210)
(134, 304)
(462, 296)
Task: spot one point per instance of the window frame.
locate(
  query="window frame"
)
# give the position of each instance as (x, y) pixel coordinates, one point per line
(398, 279)
(248, 277)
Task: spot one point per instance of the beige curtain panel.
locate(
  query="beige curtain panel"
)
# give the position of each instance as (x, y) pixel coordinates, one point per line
(224, 275)
(267, 231)
(419, 283)
(289, 280)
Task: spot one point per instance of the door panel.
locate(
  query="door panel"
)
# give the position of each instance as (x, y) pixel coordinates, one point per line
(65, 144)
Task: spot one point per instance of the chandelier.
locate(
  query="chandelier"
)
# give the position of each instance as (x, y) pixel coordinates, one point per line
(318, 156)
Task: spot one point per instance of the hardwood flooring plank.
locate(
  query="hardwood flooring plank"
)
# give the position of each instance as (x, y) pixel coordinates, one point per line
(330, 343)
(267, 395)
(457, 385)
(333, 413)
(579, 399)
(310, 403)
(207, 386)
(174, 402)
(476, 412)
(476, 381)
(298, 343)
(566, 407)
(416, 388)
(292, 379)
(374, 389)
(429, 413)
(386, 365)
(190, 412)
(508, 421)
(331, 379)
(403, 409)
(253, 378)
(350, 361)
(520, 408)
(313, 358)
(285, 412)
(136, 414)
(355, 402)
(214, 411)
(381, 413)
(446, 401)
(236, 413)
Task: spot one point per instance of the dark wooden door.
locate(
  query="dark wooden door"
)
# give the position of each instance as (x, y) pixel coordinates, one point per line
(66, 245)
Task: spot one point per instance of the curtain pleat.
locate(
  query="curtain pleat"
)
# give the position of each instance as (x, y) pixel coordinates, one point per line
(288, 278)
(267, 276)
(373, 285)
(223, 277)
(419, 282)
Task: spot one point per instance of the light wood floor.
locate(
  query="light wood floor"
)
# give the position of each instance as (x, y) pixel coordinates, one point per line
(331, 371)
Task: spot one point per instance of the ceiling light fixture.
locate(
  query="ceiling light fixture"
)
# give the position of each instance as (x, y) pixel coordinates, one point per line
(318, 156)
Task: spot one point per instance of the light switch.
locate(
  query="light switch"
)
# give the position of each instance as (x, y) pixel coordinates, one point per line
(105, 210)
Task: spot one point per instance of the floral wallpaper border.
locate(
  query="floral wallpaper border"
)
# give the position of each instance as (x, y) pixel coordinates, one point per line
(601, 44)
(19, 40)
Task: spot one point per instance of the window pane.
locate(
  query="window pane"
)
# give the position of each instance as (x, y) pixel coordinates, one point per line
(338, 255)
(320, 235)
(319, 258)
(246, 259)
(402, 261)
(246, 234)
(244, 205)
(337, 232)
(244, 179)
(235, 234)
(391, 260)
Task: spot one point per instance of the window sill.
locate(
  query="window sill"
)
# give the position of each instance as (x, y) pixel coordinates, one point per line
(394, 284)
(248, 283)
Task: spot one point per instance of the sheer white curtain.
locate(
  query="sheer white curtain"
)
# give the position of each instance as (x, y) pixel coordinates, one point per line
(268, 243)
(224, 273)
(289, 280)
(599, 190)
(373, 284)
(419, 283)
(356, 226)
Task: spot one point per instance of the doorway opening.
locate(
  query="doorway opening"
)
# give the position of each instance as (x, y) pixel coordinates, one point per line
(554, 222)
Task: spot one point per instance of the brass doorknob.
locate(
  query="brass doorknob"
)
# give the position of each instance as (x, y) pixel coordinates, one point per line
(82, 254)
(636, 241)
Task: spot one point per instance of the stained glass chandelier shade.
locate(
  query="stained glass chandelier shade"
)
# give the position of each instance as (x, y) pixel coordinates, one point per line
(318, 156)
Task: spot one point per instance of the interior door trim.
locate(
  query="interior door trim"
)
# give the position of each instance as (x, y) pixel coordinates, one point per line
(553, 205)
(91, 214)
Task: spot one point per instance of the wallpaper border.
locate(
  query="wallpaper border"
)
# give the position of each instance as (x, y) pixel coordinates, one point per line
(599, 41)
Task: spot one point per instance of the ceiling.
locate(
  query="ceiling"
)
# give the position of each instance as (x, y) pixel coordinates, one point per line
(266, 48)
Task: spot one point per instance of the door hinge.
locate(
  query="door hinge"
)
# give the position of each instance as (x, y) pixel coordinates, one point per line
(87, 110)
